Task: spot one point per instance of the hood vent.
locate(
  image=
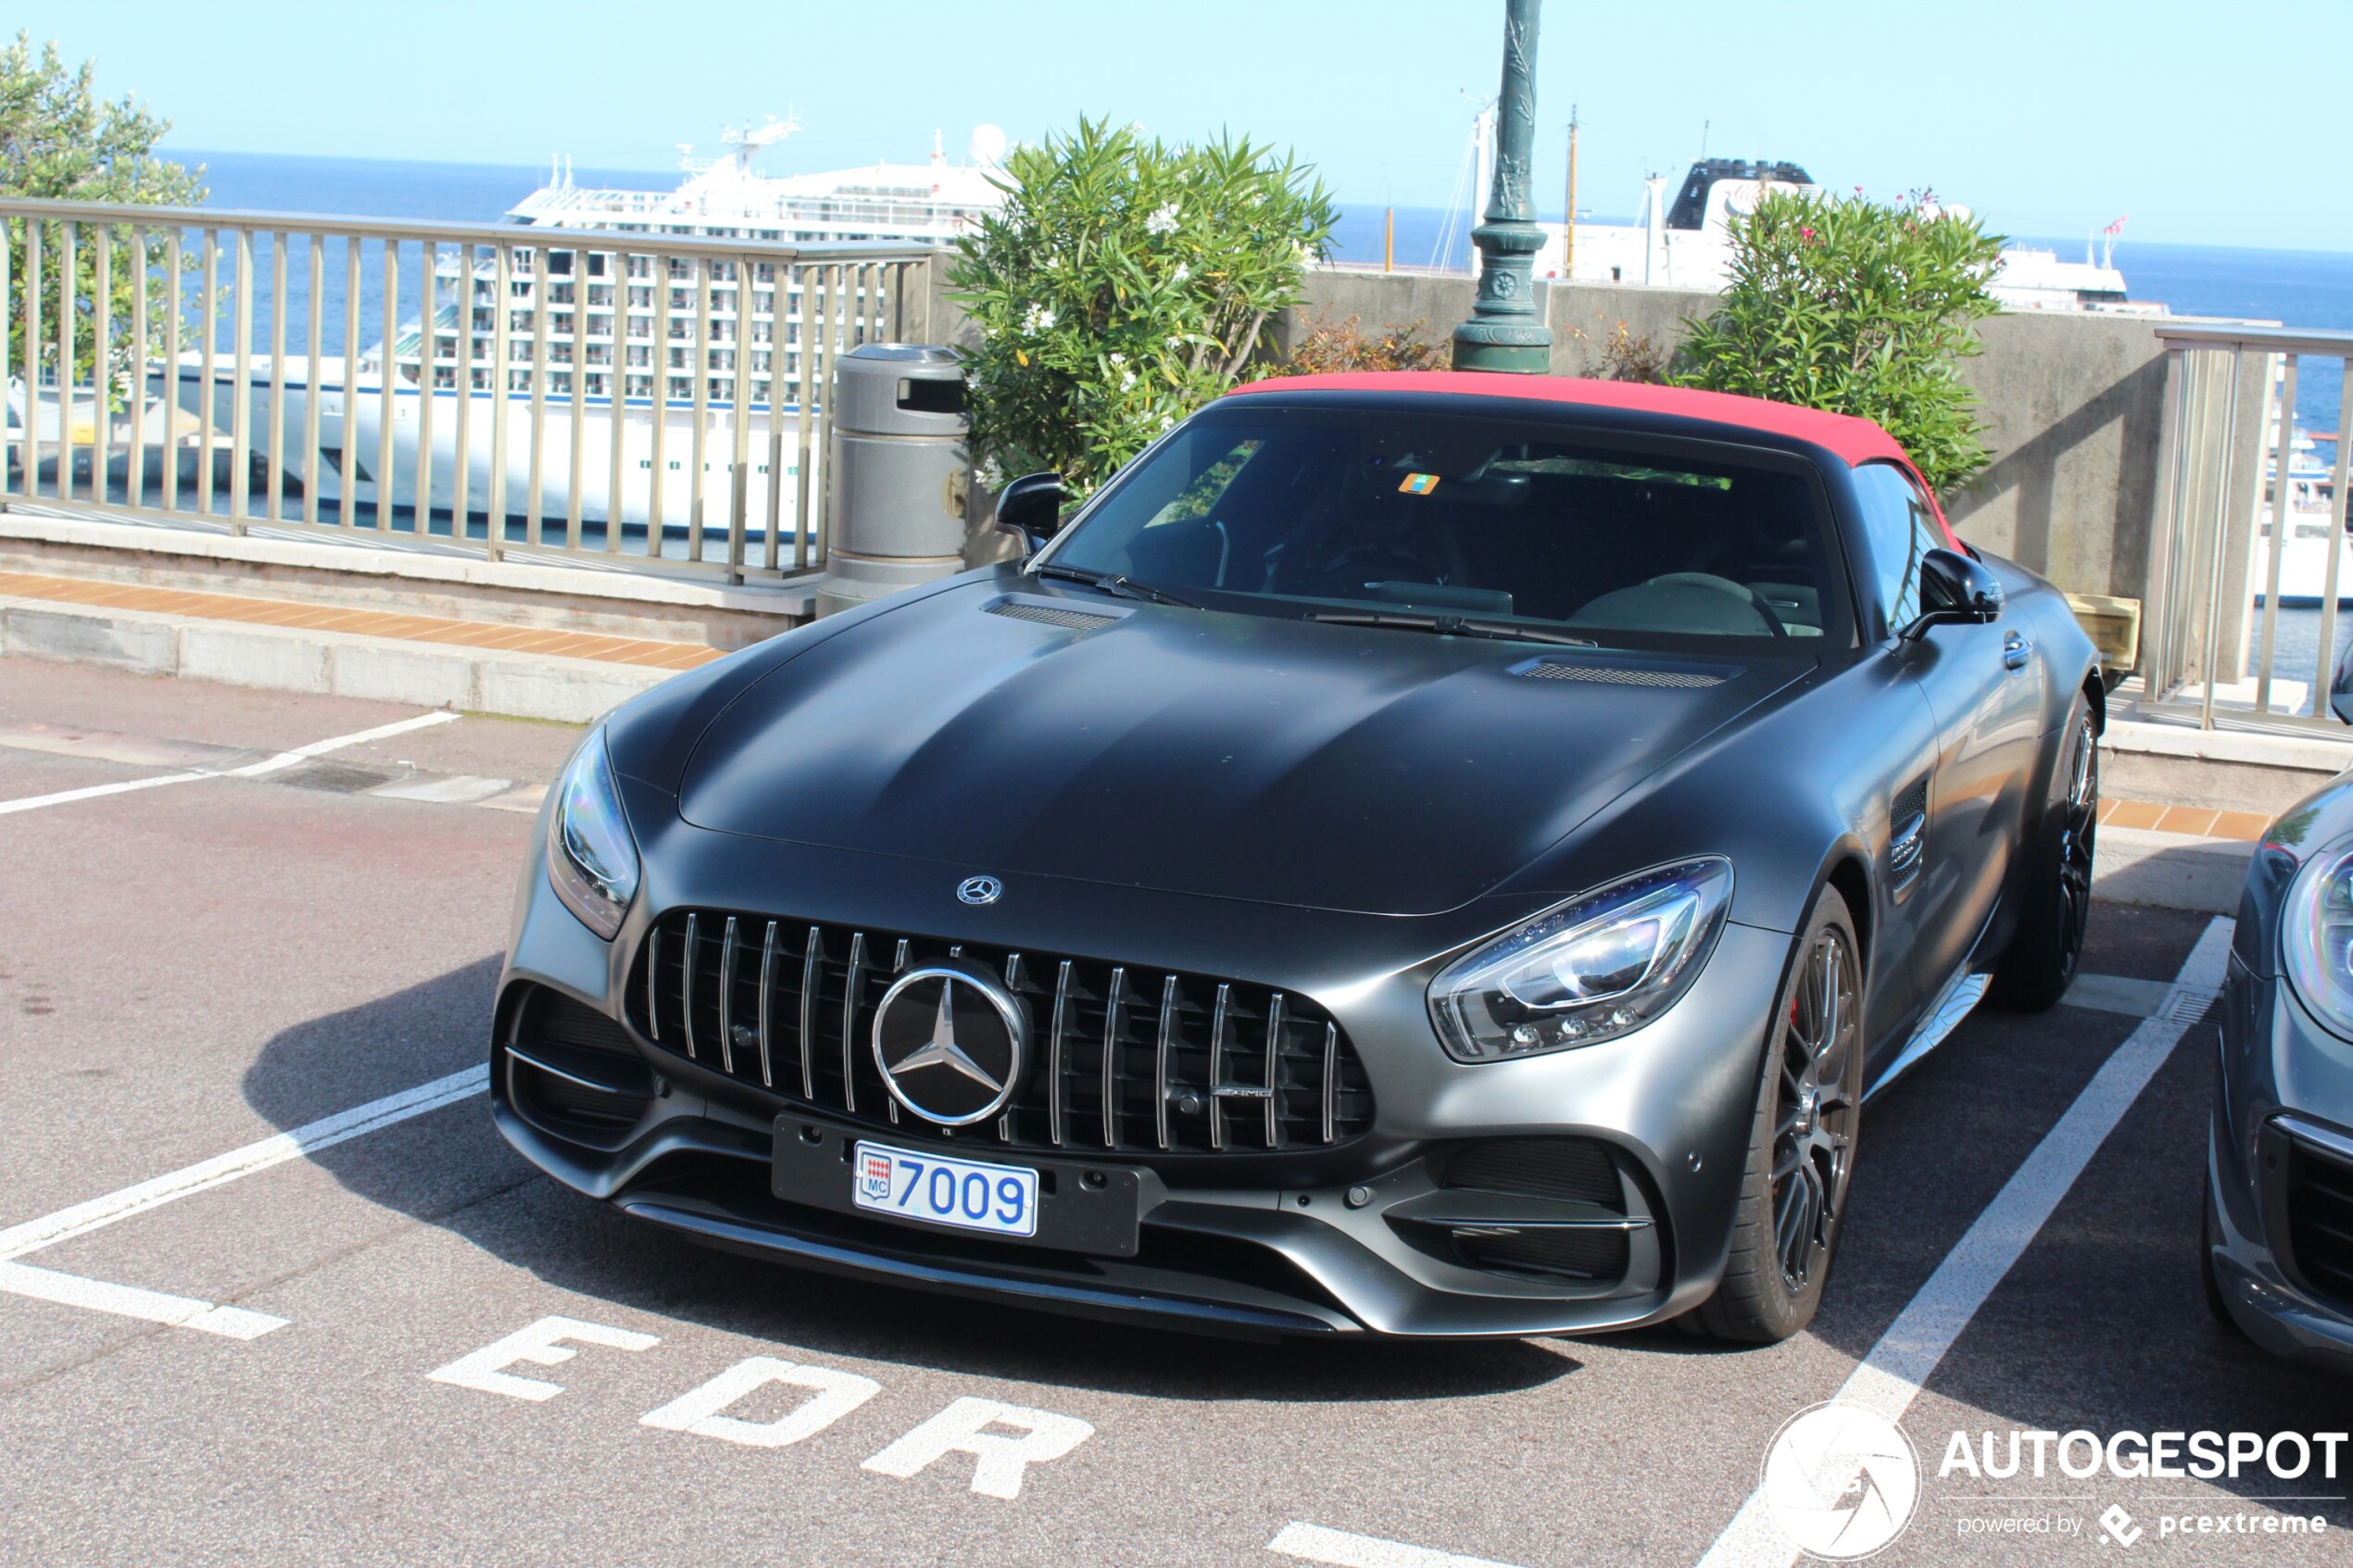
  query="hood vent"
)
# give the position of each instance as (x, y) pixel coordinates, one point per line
(1069, 620)
(1619, 675)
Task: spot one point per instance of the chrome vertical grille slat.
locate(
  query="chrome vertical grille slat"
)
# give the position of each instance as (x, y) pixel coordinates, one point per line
(1114, 1006)
(767, 996)
(1331, 1080)
(1191, 1046)
(1054, 1054)
(851, 982)
(653, 989)
(694, 956)
(1217, 1067)
(727, 998)
(1168, 999)
(1275, 1072)
(810, 957)
(1014, 981)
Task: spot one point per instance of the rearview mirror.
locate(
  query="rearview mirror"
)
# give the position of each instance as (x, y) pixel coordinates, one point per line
(1955, 591)
(2341, 687)
(1032, 506)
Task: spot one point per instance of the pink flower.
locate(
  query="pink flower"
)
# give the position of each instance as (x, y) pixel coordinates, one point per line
(1806, 233)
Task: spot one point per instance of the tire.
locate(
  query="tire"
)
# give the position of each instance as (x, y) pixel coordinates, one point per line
(1801, 1153)
(2039, 964)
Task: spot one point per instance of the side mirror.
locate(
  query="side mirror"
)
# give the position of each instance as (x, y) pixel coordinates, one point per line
(1955, 591)
(1032, 506)
(2341, 687)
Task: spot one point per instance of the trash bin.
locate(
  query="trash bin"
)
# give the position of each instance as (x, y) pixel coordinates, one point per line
(897, 472)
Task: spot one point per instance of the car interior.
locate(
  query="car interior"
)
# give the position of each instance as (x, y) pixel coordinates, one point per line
(1457, 522)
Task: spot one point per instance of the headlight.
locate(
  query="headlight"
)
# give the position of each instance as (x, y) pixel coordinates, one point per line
(1601, 964)
(2316, 930)
(591, 860)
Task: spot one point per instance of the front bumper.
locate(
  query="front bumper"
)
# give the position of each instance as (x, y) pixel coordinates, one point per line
(1346, 1239)
(2285, 1089)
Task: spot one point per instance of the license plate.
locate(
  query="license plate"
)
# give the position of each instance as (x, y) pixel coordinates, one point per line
(965, 1193)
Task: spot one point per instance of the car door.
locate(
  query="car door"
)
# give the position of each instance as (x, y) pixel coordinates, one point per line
(1982, 687)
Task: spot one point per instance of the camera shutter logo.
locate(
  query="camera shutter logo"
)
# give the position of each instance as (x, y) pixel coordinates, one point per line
(1841, 1480)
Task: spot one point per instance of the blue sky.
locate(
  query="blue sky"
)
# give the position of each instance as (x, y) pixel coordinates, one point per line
(2050, 119)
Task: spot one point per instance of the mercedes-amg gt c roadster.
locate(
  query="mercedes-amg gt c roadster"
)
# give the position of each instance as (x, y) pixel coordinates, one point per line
(1435, 853)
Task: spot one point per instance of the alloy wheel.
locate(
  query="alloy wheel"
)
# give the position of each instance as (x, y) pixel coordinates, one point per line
(2079, 827)
(1814, 1123)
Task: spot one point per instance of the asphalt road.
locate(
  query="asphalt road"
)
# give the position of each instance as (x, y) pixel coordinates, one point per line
(190, 967)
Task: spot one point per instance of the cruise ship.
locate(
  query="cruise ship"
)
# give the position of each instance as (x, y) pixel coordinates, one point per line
(666, 398)
(1685, 242)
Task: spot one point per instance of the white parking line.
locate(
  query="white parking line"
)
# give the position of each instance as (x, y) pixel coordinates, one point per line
(1888, 1379)
(1317, 1544)
(129, 1301)
(345, 1126)
(266, 766)
(73, 1290)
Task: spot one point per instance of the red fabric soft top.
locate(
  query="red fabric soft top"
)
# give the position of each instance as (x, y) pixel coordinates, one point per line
(1855, 440)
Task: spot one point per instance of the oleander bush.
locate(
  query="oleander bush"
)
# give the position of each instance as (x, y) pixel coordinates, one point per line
(1333, 347)
(1858, 308)
(60, 141)
(1125, 282)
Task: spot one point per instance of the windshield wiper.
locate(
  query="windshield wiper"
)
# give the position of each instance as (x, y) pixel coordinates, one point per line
(1450, 626)
(1114, 583)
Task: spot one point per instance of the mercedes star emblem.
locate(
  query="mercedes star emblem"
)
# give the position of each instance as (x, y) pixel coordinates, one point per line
(980, 890)
(951, 1043)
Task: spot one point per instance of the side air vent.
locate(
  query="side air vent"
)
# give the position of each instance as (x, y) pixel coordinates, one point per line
(1908, 833)
(1577, 1170)
(1619, 675)
(572, 1072)
(1070, 620)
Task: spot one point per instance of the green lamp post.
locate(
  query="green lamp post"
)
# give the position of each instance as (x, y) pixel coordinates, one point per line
(1504, 331)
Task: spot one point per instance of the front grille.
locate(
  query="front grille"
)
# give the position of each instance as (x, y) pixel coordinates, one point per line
(2320, 1219)
(1620, 675)
(1575, 1169)
(1123, 1057)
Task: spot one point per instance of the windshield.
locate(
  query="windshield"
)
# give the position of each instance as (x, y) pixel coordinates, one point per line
(1352, 513)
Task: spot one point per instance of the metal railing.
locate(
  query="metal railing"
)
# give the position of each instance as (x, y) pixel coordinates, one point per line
(635, 398)
(2239, 525)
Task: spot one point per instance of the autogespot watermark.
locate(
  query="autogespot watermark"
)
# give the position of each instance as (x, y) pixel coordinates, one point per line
(1843, 1481)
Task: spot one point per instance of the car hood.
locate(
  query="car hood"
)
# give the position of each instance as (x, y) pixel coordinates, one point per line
(1234, 756)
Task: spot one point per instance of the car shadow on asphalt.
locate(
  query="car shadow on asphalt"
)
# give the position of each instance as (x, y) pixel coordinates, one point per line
(450, 1168)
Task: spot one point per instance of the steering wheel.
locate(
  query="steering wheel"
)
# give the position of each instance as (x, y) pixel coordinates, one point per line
(1741, 591)
(1350, 568)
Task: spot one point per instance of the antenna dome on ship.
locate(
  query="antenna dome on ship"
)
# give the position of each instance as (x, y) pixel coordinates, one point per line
(987, 144)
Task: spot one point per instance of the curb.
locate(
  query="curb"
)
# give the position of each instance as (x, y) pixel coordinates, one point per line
(323, 663)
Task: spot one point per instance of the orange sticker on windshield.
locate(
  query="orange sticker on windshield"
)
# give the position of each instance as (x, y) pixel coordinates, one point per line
(1419, 483)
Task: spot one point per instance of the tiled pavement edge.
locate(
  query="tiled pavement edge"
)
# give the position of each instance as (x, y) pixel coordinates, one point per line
(285, 646)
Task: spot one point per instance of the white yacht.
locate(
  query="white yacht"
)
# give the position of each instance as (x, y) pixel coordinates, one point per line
(1686, 243)
(602, 328)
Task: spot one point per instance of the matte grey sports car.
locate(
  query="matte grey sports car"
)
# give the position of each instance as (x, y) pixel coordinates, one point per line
(1439, 854)
(2277, 1250)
